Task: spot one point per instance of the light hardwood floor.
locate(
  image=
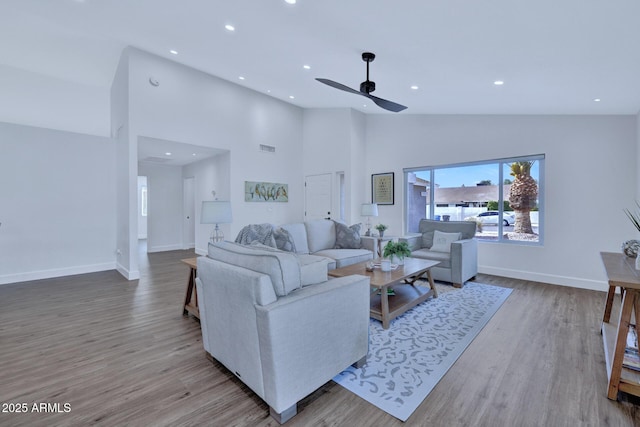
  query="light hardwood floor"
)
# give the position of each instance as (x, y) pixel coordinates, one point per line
(120, 353)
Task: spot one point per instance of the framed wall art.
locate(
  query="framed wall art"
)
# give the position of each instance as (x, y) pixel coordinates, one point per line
(265, 192)
(382, 188)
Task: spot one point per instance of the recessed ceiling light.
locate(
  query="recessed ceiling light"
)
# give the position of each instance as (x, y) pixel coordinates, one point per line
(498, 83)
(230, 27)
(268, 90)
(241, 77)
(290, 1)
(173, 52)
(596, 100)
(306, 67)
(167, 153)
(414, 87)
(292, 97)
(193, 154)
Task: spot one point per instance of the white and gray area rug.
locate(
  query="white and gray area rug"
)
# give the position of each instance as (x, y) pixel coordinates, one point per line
(406, 361)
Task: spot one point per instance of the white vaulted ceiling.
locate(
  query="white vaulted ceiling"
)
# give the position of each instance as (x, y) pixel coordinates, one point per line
(555, 57)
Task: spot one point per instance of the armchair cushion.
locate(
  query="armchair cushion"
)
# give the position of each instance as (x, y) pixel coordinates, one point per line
(442, 241)
(443, 257)
(347, 237)
(282, 267)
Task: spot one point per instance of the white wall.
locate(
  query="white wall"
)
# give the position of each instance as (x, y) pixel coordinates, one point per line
(590, 177)
(57, 203)
(164, 208)
(41, 100)
(334, 141)
(196, 108)
(210, 175)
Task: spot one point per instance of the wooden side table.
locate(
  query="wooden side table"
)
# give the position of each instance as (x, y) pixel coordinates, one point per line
(620, 272)
(191, 297)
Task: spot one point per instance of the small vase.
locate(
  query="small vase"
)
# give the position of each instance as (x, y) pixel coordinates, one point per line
(397, 260)
(630, 248)
(381, 233)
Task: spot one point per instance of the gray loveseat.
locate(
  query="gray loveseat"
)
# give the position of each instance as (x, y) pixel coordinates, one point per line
(278, 324)
(457, 265)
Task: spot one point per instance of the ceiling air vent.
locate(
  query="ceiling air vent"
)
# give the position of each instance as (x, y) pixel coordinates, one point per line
(267, 148)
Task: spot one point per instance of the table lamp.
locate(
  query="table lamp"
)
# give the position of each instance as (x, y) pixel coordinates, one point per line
(369, 210)
(216, 212)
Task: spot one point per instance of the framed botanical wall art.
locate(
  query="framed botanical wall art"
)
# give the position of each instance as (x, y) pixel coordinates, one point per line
(382, 188)
(265, 192)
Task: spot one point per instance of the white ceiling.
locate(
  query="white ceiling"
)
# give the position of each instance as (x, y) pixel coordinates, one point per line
(172, 153)
(555, 57)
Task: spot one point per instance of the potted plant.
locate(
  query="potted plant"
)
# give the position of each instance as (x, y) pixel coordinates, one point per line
(399, 250)
(381, 228)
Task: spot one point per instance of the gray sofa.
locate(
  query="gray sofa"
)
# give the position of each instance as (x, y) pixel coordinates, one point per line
(277, 323)
(341, 244)
(318, 238)
(457, 265)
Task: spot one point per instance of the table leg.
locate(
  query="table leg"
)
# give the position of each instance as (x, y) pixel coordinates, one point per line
(628, 303)
(190, 288)
(431, 284)
(609, 304)
(384, 307)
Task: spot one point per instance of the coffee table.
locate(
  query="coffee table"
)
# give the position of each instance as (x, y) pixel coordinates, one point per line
(386, 307)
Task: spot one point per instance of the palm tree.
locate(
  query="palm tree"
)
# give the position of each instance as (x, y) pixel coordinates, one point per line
(523, 195)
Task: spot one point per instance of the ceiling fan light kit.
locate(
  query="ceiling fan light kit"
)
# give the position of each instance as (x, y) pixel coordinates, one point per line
(366, 87)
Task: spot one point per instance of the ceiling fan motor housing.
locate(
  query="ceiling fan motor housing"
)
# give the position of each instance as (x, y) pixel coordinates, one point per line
(368, 86)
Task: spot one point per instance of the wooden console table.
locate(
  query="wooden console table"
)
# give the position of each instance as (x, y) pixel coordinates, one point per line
(620, 272)
(191, 297)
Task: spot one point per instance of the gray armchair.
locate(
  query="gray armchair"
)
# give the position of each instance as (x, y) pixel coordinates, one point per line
(456, 266)
(279, 325)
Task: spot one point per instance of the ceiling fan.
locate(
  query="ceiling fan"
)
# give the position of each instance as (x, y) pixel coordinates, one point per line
(366, 87)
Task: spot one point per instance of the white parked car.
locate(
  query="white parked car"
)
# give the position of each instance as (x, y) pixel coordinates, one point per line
(491, 217)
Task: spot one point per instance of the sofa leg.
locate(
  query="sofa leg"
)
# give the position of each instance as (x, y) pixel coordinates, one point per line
(457, 285)
(360, 363)
(285, 415)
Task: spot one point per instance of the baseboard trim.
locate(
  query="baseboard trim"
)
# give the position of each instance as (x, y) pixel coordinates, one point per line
(574, 282)
(56, 272)
(165, 248)
(129, 275)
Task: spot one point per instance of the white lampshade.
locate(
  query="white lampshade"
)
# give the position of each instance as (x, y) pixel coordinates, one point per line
(369, 209)
(216, 212)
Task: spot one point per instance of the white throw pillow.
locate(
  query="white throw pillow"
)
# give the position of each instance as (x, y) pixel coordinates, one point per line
(442, 241)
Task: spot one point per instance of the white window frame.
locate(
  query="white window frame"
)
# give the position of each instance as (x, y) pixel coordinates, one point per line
(540, 158)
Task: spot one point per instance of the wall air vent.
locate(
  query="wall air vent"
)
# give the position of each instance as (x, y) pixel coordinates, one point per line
(267, 148)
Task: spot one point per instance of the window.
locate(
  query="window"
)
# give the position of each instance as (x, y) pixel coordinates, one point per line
(503, 197)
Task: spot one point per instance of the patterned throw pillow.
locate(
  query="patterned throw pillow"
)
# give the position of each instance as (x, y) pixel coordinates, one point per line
(442, 241)
(347, 237)
(284, 240)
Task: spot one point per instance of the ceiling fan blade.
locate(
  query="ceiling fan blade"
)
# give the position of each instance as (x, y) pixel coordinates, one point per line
(339, 86)
(383, 103)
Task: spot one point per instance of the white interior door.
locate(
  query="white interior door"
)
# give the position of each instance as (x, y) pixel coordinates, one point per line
(318, 197)
(189, 212)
